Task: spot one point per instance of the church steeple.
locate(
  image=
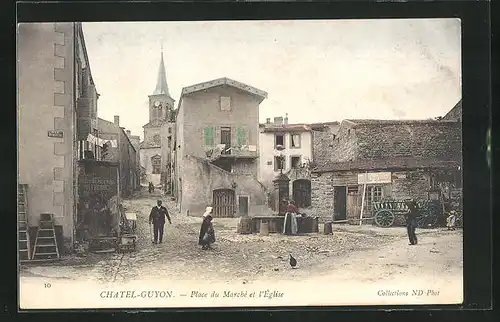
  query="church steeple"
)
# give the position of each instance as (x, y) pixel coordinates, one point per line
(161, 82)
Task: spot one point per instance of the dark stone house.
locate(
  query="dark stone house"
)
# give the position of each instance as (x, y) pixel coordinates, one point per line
(397, 159)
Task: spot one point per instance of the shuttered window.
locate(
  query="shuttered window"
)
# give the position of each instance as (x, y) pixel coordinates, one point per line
(240, 136)
(209, 136)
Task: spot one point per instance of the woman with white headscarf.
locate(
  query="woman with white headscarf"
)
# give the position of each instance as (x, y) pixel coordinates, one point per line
(207, 233)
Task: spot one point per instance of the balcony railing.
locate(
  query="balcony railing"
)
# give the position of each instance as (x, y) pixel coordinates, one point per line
(222, 151)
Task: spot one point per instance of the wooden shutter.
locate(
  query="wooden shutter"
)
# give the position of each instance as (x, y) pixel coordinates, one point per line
(240, 136)
(209, 136)
(83, 121)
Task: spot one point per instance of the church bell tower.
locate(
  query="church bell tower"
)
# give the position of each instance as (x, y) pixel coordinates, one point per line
(161, 103)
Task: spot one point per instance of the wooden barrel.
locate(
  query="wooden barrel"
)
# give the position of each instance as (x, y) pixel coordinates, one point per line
(244, 226)
(264, 228)
(328, 228)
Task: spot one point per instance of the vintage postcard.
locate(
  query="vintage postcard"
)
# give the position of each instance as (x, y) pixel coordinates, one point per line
(239, 163)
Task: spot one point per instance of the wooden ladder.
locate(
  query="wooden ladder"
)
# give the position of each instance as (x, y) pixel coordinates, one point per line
(23, 235)
(46, 242)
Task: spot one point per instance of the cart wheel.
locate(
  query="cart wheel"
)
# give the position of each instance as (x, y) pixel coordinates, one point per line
(384, 218)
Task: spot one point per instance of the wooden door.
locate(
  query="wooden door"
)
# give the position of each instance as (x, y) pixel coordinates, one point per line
(225, 138)
(243, 205)
(353, 203)
(339, 203)
(224, 203)
(302, 193)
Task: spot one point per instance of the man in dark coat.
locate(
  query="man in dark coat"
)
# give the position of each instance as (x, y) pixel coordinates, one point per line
(157, 218)
(411, 221)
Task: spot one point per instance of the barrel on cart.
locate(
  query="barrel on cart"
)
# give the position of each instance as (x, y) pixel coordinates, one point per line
(386, 212)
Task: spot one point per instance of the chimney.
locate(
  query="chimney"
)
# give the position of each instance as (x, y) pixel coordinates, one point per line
(268, 120)
(128, 132)
(286, 118)
(278, 120)
(117, 120)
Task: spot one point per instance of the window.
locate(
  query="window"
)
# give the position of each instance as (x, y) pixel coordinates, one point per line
(169, 141)
(279, 140)
(156, 164)
(169, 130)
(225, 103)
(269, 162)
(295, 141)
(278, 163)
(157, 139)
(373, 193)
(209, 136)
(295, 162)
(240, 136)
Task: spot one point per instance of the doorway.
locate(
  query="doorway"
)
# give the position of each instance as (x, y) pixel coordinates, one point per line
(243, 206)
(339, 203)
(302, 193)
(224, 203)
(225, 138)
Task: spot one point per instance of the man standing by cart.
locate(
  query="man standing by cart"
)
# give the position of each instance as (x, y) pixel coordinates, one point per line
(411, 221)
(157, 219)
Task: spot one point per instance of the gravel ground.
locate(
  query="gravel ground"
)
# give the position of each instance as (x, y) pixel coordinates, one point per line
(361, 252)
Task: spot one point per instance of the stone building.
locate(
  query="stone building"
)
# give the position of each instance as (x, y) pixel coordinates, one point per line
(288, 149)
(124, 153)
(217, 138)
(397, 159)
(57, 110)
(155, 149)
(455, 113)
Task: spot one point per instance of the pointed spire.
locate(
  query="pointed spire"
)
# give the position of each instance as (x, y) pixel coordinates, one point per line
(161, 83)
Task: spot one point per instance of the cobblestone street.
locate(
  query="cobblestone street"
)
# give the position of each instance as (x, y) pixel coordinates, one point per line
(352, 252)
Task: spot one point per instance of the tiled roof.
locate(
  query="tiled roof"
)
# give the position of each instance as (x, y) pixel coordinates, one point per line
(148, 145)
(223, 81)
(357, 123)
(286, 128)
(399, 163)
(107, 130)
(455, 113)
(380, 143)
(155, 123)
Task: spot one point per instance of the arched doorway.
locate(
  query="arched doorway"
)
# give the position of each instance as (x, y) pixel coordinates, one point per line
(224, 203)
(302, 193)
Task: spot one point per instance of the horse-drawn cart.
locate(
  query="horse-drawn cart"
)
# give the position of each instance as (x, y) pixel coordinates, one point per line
(387, 212)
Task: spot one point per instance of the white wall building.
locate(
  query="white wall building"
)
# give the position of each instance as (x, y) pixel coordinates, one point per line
(292, 141)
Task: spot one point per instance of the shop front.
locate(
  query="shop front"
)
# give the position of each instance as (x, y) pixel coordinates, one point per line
(98, 215)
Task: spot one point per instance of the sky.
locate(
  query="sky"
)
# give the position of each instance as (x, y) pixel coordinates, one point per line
(314, 70)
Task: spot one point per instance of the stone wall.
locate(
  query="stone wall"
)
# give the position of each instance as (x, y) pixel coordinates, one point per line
(245, 167)
(200, 178)
(419, 139)
(405, 184)
(322, 195)
(334, 148)
(410, 184)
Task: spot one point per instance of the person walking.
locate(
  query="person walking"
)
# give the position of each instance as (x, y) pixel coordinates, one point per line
(207, 232)
(411, 221)
(157, 219)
